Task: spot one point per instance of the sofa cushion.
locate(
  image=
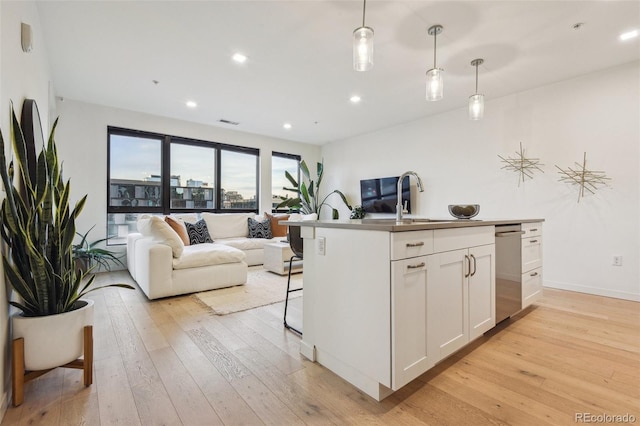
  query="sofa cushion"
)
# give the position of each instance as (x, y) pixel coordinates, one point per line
(277, 230)
(178, 225)
(207, 254)
(227, 225)
(198, 233)
(160, 231)
(247, 243)
(259, 228)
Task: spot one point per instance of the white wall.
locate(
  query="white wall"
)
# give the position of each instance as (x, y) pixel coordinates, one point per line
(458, 161)
(22, 75)
(81, 137)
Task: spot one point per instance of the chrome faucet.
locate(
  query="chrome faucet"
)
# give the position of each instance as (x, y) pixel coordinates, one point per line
(399, 207)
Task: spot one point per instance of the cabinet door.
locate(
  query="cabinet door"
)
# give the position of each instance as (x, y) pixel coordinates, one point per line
(531, 287)
(531, 253)
(409, 320)
(482, 290)
(447, 303)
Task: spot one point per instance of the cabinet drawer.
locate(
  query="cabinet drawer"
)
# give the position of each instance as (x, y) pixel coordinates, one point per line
(411, 244)
(461, 238)
(531, 286)
(531, 229)
(531, 253)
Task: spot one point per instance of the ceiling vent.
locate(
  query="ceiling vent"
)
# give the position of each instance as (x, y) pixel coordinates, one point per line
(222, 120)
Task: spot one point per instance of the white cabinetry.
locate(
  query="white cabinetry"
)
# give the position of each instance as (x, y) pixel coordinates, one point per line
(409, 281)
(531, 263)
(409, 355)
(461, 291)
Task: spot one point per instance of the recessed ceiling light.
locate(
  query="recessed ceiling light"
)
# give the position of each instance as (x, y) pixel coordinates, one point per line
(355, 99)
(191, 104)
(239, 58)
(629, 35)
(287, 126)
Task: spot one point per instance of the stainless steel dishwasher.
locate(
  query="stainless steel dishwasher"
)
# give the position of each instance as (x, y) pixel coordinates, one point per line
(508, 271)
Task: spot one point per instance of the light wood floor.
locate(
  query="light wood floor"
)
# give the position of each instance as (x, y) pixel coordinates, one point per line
(171, 362)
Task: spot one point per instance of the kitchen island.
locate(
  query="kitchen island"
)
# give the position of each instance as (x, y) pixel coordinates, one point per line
(384, 301)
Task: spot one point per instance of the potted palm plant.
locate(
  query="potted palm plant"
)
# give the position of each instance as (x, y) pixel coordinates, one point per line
(89, 255)
(37, 224)
(307, 199)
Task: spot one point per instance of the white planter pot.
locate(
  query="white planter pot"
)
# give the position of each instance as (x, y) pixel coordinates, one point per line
(53, 340)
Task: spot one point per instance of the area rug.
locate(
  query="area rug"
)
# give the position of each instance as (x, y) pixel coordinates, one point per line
(262, 288)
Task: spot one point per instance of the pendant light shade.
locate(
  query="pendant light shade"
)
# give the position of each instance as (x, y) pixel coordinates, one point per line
(435, 84)
(476, 107)
(363, 45)
(476, 101)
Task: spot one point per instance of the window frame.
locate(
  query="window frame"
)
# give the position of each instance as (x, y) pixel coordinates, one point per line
(165, 181)
(298, 159)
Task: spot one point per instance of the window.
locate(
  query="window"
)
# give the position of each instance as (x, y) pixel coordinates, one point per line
(161, 174)
(134, 171)
(281, 163)
(135, 164)
(192, 177)
(239, 180)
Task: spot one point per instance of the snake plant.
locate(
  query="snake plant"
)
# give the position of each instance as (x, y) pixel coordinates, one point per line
(37, 225)
(308, 193)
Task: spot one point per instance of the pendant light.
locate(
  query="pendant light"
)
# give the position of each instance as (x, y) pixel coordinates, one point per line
(476, 101)
(434, 75)
(363, 45)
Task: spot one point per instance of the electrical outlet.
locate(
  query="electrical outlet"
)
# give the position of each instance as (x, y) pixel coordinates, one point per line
(617, 260)
(320, 246)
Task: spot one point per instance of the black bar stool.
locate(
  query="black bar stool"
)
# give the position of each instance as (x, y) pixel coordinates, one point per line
(295, 241)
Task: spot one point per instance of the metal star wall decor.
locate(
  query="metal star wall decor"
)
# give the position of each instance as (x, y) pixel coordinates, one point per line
(587, 179)
(524, 166)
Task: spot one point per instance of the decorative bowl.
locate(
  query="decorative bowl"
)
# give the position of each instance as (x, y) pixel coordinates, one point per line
(464, 211)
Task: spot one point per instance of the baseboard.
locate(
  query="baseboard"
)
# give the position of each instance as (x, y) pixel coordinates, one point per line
(593, 290)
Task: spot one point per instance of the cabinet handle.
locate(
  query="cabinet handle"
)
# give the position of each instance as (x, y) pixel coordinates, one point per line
(509, 233)
(535, 274)
(419, 265)
(533, 241)
(466, 275)
(420, 244)
(533, 229)
(474, 265)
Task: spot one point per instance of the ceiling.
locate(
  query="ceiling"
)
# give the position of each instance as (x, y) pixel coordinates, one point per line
(299, 68)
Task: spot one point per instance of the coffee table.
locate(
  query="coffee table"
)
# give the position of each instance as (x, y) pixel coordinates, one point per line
(276, 258)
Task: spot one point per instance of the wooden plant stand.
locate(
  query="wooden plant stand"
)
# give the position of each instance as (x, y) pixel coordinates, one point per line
(21, 376)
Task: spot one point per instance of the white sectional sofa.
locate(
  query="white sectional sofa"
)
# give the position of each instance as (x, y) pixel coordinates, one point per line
(163, 265)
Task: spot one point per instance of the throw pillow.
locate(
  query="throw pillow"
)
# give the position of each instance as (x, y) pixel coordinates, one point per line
(277, 230)
(198, 232)
(227, 225)
(260, 229)
(178, 225)
(162, 233)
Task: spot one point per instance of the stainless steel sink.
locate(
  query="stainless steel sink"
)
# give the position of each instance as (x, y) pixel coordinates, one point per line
(406, 221)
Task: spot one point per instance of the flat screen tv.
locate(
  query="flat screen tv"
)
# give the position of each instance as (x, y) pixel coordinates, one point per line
(380, 195)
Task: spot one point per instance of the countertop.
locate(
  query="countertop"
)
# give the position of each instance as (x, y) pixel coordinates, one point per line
(408, 224)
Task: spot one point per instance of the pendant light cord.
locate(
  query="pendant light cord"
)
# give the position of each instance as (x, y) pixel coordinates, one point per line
(477, 64)
(435, 37)
(364, 8)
